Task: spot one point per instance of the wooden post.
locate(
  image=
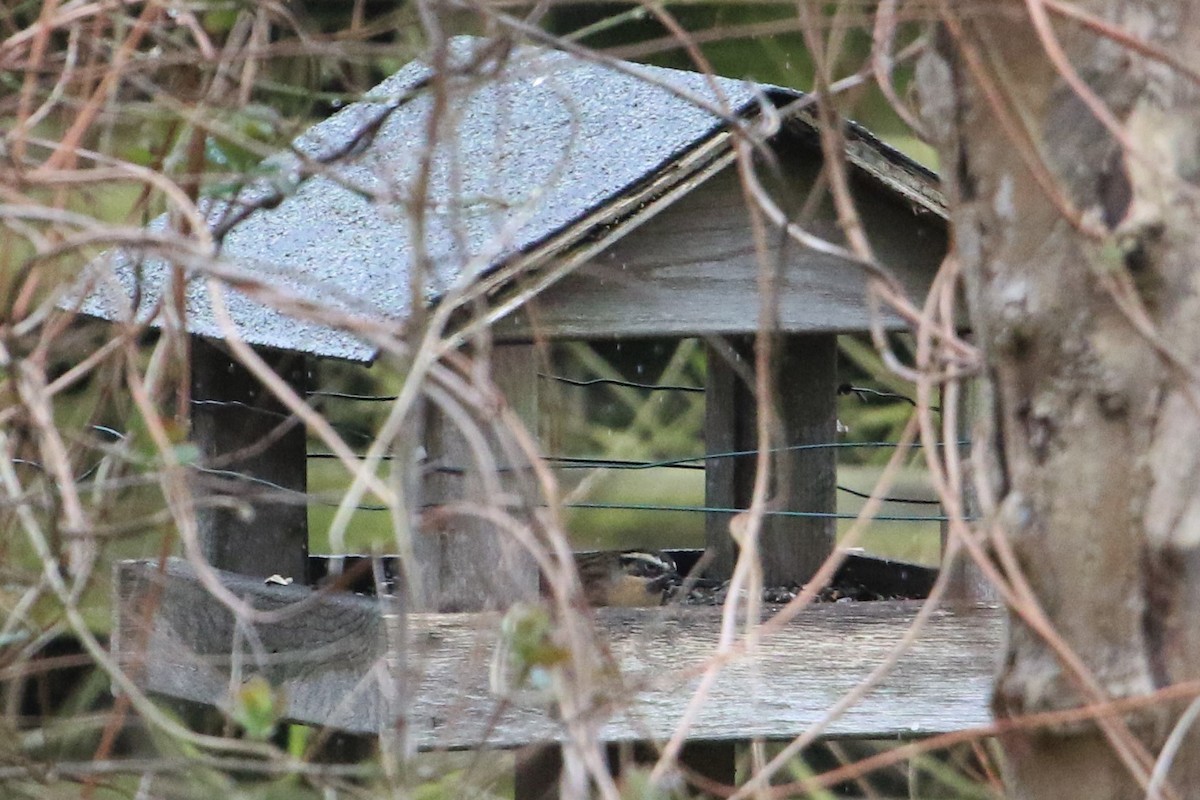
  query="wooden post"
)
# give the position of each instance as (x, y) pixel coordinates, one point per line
(243, 431)
(472, 566)
(255, 453)
(967, 582)
(792, 548)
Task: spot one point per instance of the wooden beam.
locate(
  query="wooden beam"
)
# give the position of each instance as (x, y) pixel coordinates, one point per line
(474, 566)
(336, 657)
(967, 583)
(791, 548)
(806, 480)
(243, 430)
(337, 665)
(693, 270)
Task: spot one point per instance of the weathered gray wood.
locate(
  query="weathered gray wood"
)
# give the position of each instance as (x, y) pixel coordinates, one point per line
(967, 583)
(724, 428)
(241, 427)
(332, 658)
(692, 271)
(792, 548)
(338, 659)
(473, 565)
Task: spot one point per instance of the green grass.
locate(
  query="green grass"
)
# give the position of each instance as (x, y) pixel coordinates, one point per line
(621, 528)
(612, 528)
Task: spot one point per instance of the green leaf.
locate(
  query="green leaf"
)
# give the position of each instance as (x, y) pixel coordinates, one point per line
(257, 707)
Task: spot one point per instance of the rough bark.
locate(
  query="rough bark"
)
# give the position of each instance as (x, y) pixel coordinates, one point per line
(1092, 425)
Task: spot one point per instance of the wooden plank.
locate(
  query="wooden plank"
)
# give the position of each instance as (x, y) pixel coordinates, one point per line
(475, 566)
(792, 548)
(724, 429)
(967, 583)
(337, 660)
(241, 428)
(692, 270)
(332, 659)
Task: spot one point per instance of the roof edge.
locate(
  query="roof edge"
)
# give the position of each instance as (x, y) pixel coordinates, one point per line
(873, 157)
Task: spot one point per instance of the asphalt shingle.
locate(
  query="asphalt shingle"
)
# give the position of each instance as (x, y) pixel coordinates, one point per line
(519, 155)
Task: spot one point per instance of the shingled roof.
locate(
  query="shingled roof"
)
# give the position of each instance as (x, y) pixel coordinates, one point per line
(531, 145)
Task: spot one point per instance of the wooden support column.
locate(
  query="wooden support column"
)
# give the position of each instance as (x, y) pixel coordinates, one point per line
(250, 445)
(471, 565)
(792, 548)
(488, 560)
(967, 582)
(242, 429)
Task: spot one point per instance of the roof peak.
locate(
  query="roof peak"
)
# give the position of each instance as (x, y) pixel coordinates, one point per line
(530, 147)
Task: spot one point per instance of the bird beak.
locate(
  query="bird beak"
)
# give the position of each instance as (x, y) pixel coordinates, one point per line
(665, 583)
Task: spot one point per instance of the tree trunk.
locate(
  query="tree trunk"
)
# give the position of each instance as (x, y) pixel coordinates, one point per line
(1079, 257)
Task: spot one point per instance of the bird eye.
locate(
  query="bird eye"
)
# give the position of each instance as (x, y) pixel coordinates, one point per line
(647, 565)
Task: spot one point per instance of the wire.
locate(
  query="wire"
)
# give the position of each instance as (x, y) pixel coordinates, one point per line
(574, 462)
(117, 436)
(655, 387)
(580, 462)
(308, 497)
(570, 462)
(910, 500)
(600, 463)
(583, 462)
(861, 393)
(345, 430)
(270, 412)
(606, 506)
(370, 398)
(566, 462)
(720, 510)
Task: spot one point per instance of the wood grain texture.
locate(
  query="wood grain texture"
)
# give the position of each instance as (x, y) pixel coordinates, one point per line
(791, 548)
(967, 582)
(338, 660)
(339, 667)
(241, 427)
(692, 270)
(475, 566)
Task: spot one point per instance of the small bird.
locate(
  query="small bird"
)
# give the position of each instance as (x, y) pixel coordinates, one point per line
(627, 578)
